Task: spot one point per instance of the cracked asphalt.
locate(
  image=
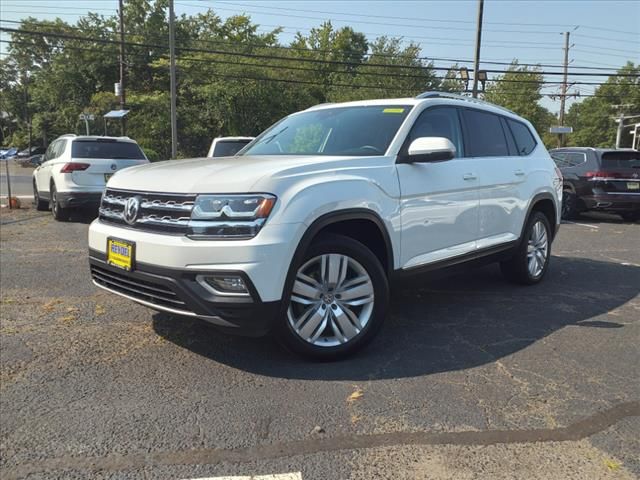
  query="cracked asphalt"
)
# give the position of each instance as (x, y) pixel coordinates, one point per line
(471, 377)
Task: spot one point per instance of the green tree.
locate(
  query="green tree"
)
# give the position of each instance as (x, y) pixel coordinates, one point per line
(519, 90)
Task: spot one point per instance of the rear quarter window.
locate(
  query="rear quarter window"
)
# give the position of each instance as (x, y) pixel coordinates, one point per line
(106, 149)
(525, 141)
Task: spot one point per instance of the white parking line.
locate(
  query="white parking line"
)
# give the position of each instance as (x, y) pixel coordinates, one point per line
(581, 224)
(276, 476)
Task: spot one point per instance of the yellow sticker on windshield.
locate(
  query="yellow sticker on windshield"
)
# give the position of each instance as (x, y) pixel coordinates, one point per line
(393, 110)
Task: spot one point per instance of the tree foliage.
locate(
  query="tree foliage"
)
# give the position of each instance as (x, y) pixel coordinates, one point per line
(233, 79)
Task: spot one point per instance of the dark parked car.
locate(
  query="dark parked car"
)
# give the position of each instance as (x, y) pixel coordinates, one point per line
(599, 179)
(34, 151)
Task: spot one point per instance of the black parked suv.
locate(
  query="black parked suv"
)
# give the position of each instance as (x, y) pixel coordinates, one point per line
(599, 179)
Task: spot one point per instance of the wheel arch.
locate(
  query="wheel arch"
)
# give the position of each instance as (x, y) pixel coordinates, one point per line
(545, 203)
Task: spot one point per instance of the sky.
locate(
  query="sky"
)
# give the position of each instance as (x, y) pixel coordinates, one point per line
(604, 33)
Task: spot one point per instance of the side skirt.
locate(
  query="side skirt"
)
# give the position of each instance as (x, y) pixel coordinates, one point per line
(462, 263)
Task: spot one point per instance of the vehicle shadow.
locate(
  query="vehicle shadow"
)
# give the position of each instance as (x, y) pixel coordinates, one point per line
(439, 325)
(596, 218)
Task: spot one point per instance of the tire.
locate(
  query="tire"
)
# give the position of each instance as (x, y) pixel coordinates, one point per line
(630, 216)
(523, 269)
(569, 205)
(41, 205)
(59, 213)
(316, 320)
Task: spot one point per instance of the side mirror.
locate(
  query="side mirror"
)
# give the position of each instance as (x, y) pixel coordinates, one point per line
(430, 149)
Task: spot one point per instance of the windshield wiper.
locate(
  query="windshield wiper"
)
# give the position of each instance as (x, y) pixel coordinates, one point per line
(271, 137)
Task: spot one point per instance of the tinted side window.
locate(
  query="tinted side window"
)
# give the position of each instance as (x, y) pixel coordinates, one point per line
(525, 141)
(575, 159)
(438, 122)
(50, 154)
(484, 136)
(229, 148)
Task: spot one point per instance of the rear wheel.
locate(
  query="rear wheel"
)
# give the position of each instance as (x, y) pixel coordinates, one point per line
(569, 205)
(337, 302)
(530, 262)
(59, 213)
(41, 205)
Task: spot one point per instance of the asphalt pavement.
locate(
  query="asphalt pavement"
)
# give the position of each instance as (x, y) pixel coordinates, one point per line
(471, 377)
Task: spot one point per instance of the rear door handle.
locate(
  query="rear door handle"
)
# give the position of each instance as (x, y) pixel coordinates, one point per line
(469, 176)
(519, 173)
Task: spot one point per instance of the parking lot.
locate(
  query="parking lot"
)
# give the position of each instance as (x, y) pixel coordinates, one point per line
(471, 377)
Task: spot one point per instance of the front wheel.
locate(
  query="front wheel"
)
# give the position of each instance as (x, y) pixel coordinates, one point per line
(530, 261)
(337, 300)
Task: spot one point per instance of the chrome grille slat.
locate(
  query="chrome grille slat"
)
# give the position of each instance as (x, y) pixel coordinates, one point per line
(135, 289)
(119, 278)
(157, 211)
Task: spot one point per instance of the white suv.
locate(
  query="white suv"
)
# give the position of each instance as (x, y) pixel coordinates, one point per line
(301, 234)
(75, 170)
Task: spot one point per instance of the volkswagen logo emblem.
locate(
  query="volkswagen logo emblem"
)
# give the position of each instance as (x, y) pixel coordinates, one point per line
(131, 207)
(635, 175)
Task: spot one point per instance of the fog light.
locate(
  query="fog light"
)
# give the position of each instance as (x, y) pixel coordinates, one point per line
(227, 284)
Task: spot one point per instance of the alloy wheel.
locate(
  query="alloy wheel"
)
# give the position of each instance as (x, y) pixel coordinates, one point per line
(331, 301)
(537, 249)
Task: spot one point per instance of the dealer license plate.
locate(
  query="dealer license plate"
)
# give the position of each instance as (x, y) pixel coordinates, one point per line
(121, 253)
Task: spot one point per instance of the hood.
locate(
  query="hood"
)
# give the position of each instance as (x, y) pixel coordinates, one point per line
(225, 174)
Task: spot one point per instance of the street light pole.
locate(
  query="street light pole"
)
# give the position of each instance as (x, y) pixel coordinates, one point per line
(476, 61)
(172, 73)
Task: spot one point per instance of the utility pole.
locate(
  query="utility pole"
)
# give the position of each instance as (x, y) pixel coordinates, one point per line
(563, 94)
(476, 61)
(172, 73)
(122, 64)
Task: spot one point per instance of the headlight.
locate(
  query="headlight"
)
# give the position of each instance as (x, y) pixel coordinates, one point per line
(229, 216)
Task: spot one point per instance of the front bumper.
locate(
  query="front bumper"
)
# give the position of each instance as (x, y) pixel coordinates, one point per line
(177, 292)
(73, 199)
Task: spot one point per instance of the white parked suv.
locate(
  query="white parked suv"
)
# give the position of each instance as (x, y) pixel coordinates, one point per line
(302, 234)
(75, 170)
(227, 146)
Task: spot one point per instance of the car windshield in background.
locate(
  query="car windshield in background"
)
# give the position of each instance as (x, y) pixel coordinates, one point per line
(228, 148)
(106, 149)
(352, 131)
(621, 159)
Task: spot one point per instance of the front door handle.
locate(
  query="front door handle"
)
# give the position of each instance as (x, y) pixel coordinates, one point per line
(519, 173)
(469, 176)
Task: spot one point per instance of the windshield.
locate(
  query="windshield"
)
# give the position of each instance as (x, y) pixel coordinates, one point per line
(353, 131)
(106, 149)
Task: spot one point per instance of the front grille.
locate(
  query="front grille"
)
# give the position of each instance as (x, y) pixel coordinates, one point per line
(150, 292)
(159, 212)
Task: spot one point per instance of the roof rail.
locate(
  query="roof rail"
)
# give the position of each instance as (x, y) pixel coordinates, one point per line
(319, 105)
(455, 96)
(69, 135)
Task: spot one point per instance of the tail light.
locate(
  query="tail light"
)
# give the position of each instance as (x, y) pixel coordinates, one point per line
(601, 175)
(74, 167)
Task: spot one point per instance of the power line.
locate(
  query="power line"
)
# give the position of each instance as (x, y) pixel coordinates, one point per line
(387, 24)
(564, 25)
(297, 59)
(315, 71)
